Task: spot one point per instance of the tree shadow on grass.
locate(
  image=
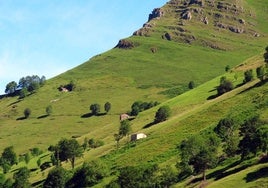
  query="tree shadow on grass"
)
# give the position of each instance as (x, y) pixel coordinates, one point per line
(38, 183)
(21, 118)
(212, 97)
(260, 173)
(259, 84)
(149, 125)
(87, 115)
(16, 102)
(101, 114)
(221, 173)
(43, 116)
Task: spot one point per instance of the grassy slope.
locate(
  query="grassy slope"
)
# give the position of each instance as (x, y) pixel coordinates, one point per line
(123, 76)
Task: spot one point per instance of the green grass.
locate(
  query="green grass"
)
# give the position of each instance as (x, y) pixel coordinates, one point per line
(121, 76)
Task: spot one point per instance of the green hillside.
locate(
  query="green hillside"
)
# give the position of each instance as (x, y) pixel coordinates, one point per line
(184, 41)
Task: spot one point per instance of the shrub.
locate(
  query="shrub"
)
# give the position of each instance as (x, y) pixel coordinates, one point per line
(225, 86)
(162, 114)
(191, 85)
(248, 76)
(27, 112)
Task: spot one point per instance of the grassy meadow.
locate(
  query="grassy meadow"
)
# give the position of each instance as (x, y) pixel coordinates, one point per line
(123, 76)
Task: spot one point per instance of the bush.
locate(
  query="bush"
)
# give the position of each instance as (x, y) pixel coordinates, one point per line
(27, 112)
(225, 86)
(162, 114)
(140, 106)
(248, 76)
(49, 110)
(191, 85)
(95, 109)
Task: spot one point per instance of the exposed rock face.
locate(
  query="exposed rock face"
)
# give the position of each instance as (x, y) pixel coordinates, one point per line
(242, 21)
(205, 20)
(157, 13)
(167, 36)
(221, 25)
(187, 15)
(236, 29)
(124, 44)
(199, 2)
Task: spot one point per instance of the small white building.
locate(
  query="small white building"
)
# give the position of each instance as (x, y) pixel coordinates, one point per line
(137, 136)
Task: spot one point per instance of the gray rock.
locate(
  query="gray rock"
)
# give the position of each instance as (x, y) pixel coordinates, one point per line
(156, 13)
(187, 15)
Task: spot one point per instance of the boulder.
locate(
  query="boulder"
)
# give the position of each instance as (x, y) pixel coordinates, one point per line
(236, 29)
(156, 13)
(205, 20)
(124, 44)
(198, 2)
(242, 21)
(187, 15)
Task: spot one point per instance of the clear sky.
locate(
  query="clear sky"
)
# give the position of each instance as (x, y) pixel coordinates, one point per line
(48, 37)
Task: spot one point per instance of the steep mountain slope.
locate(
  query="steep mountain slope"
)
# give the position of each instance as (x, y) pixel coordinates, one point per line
(190, 40)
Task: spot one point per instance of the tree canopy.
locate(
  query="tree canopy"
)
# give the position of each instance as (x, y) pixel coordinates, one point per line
(200, 152)
(68, 149)
(162, 114)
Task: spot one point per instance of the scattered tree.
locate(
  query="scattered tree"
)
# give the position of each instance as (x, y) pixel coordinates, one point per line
(107, 107)
(68, 150)
(57, 177)
(248, 76)
(225, 128)
(225, 86)
(117, 138)
(191, 85)
(23, 93)
(261, 72)
(167, 177)
(139, 176)
(227, 68)
(162, 114)
(95, 143)
(95, 109)
(139, 106)
(11, 87)
(34, 86)
(265, 55)
(200, 152)
(124, 128)
(27, 113)
(21, 178)
(85, 143)
(89, 174)
(27, 158)
(9, 156)
(49, 110)
(251, 140)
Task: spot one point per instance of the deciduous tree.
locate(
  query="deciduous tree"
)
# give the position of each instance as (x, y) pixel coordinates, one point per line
(162, 114)
(107, 107)
(69, 149)
(57, 177)
(21, 178)
(95, 109)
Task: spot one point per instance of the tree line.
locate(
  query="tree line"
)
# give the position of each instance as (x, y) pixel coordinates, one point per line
(28, 84)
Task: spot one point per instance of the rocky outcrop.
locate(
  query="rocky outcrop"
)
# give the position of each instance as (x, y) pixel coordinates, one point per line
(198, 2)
(156, 13)
(167, 36)
(205, 20)
(236, 29)
(187, 15)
(242, 21)
(124, 44)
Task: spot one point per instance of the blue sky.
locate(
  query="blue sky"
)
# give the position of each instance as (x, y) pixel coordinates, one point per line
(48, 37)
